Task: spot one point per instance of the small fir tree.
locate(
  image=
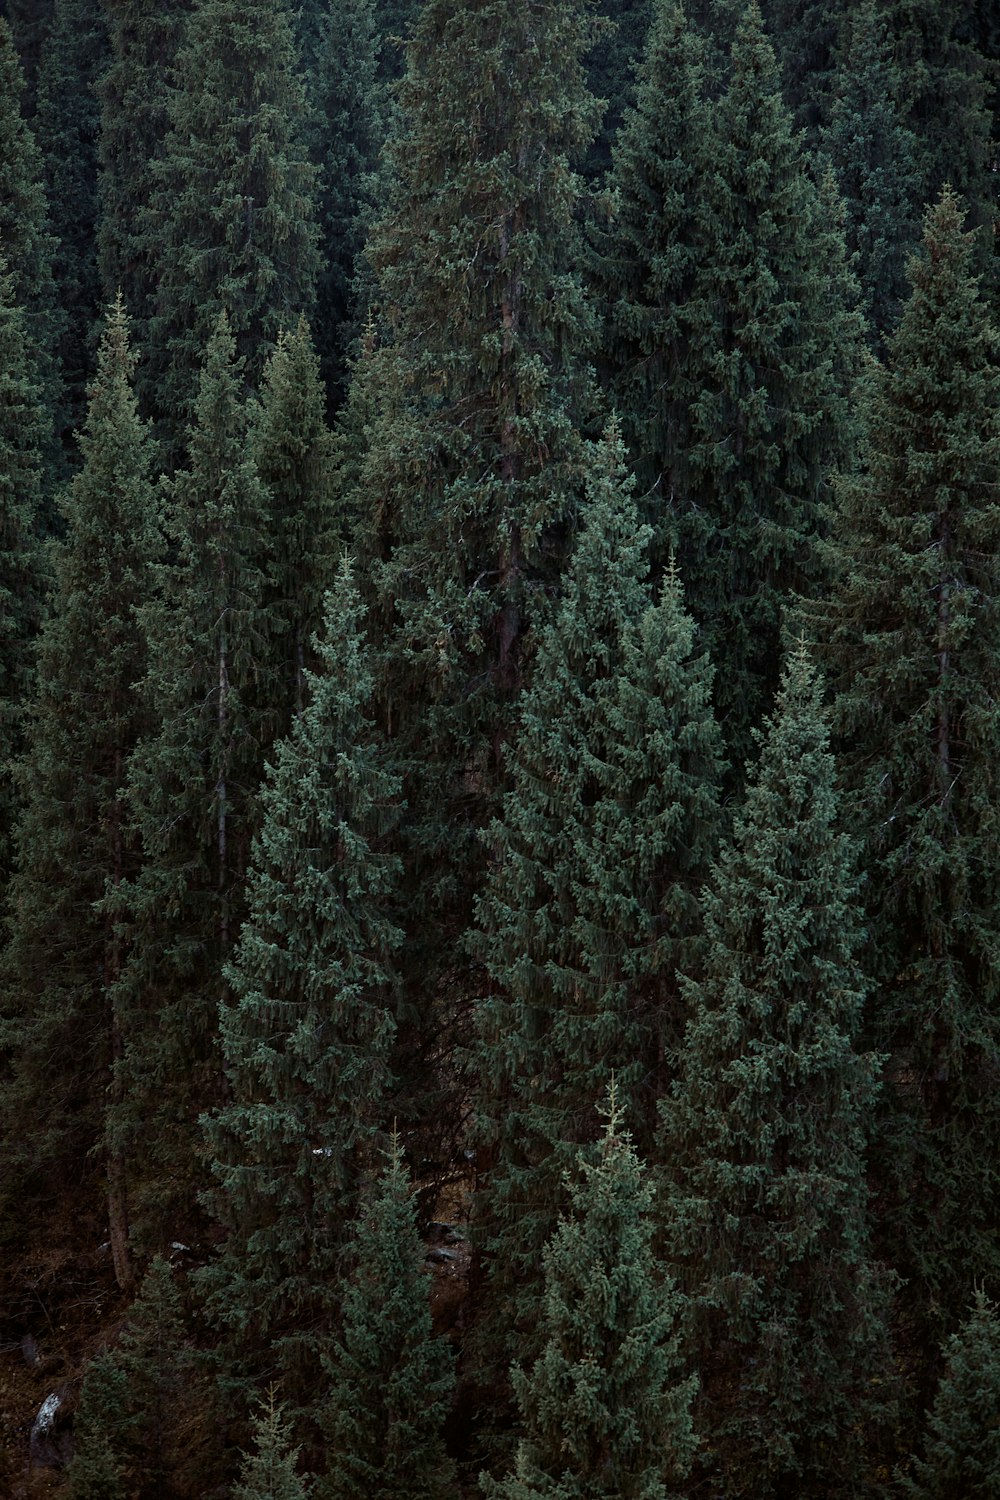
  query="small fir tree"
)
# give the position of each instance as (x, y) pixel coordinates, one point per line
(914, 632)
(390, 1377)
(606, 1410)
(765, 1218)
(73, 838)
(233, 216)
(590, 904)
(962, 1450)
(270, 1472)
(307, 1033)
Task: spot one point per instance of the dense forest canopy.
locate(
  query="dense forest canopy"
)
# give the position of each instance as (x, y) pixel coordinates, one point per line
(499, 750)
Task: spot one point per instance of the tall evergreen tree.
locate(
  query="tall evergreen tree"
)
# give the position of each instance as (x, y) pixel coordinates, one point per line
(914, 624)
(605, 1409)
(765, 1217)
(233, 216)
(390, 1378)
(24, 430)
(962, 1457)
(590, 904)
(611, 71)
(133, 92)
(26, 240)
(73, 840)
(874, 153)
(192, 794)
(294, 453)
(30, 21)
(307, 1032)
(67, 127)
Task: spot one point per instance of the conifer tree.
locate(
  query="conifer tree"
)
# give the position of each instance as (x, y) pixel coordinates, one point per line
(611, 71)
(67, 127)
(605, 1409)
(72, 836)
(23, 434)
(390, 1378)
(742, 338)
(29, 21)
(590, 904)
(874, 153)
(233, 215)
(269, 1473)
(915, 644)
(307, 1032)
(294, 453)
(144, 37)
(192, 792)
(765, 1219)
(962, 1456)
(26, 241)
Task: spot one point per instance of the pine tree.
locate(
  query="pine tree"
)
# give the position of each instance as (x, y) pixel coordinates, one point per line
(269, 1473)
(26, 241)
(605, 1410)
(23, 434)
(963, 1439)
(590, 903)
(233, 216)
(294, 453)
(192, 795)
(144, 36)
(67, 127)
(72, 836)
(144, 1423)
(647, 252)
(914, 649)
(765, 1219)
(874, 153)
(306, 1035)
(390, 1378)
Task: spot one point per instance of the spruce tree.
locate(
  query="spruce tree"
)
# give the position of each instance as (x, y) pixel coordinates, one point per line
(67, 127)
(24, 430)
(611, 71)
(390, 1378)
(874, 153)
(72, 837)
(914, 630)
(962, 1450)
(30, 21)
(605, 1409)
(26, 241)
(590, 903)
(133, 92)
(765, 1214)
(307, 1032)
(233, 216)
(294, 453)
(192, 785)
(269, 1473)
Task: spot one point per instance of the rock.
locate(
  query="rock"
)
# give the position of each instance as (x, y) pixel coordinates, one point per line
(51, 1442)
(441, 1257)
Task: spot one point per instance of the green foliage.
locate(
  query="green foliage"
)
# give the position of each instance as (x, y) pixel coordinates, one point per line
(874, 153)
(294, 453)
(963, 1435)
(611, 71)
(67, 127)
(590, 902)
(270, 1472)
(210, 688)
(765, 1220)
(307, 1032)
(72, 837)
(232, 220)
(605, 1409)
(143, 1425)
(915, 648)
(390, 1378)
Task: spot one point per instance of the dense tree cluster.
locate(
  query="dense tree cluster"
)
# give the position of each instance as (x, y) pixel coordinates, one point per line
(500, 631)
